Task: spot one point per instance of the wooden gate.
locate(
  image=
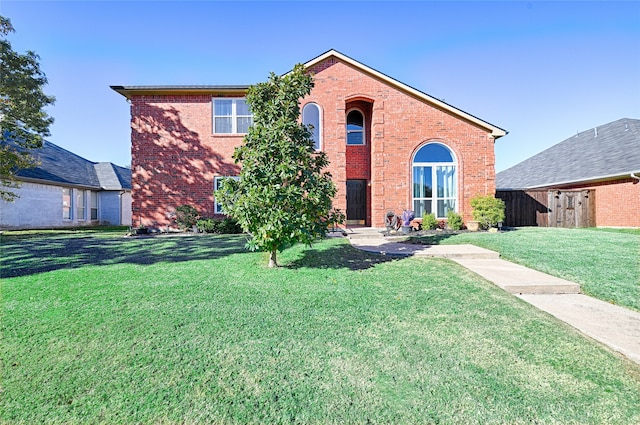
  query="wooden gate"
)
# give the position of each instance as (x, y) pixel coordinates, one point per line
(571, 208)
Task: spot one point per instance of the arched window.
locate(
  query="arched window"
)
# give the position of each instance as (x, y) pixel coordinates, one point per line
(355, 128)
(311, 118)
(434, 181)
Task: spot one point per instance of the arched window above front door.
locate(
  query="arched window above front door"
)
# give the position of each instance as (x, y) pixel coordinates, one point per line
(355, 128)
(434, 181)
(312, 119)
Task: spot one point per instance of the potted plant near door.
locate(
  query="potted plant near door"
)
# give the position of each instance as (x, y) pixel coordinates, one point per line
(473, 225)
(407, 218)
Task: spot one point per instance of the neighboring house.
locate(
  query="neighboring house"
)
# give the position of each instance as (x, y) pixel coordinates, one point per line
(68, 190)
(391, 147)
(590, 179)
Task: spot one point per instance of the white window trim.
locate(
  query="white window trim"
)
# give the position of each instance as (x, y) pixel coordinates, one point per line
(434, 179)
(320, 141)
(234, 116)
(216, 180)
(71, 204)
(83, 194)
(90, 206)
(364, 128)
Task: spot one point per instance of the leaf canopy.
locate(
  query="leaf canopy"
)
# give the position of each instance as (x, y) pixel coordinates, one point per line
(283, 195)
(23, 120)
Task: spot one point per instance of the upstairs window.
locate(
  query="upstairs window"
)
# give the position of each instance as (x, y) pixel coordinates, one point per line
(231, 116)
(311, 119)
(355, 128)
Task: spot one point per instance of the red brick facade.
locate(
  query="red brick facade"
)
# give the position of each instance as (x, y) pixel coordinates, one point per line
(617, 202)
(175, 155)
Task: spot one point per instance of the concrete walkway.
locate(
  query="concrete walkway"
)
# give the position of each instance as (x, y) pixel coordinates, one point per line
(614, 326)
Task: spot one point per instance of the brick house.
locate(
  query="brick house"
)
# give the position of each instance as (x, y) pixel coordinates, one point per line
(391, 147)
(589, 179)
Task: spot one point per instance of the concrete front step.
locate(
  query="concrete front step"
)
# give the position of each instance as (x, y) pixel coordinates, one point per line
(464, 251)
(517, 279)
(364, 233)
(383, 246)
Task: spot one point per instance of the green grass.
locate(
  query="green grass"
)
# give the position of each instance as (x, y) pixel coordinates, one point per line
(94, 230)
(195, 330)
(605, 262)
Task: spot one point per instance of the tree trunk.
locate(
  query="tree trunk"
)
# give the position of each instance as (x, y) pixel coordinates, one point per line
(272, 259)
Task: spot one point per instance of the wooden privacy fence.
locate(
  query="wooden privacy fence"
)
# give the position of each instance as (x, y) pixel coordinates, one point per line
(548, 208)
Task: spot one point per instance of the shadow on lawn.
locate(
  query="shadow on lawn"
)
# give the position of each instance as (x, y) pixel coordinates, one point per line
(434, 237)
(22, 256)
(339, 257)
(429, 238)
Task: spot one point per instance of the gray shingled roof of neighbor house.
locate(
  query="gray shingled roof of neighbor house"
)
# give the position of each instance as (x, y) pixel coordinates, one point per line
(113, 177)
(58, 165)
(601, 153)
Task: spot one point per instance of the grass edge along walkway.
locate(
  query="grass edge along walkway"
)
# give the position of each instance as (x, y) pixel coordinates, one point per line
(603, 261)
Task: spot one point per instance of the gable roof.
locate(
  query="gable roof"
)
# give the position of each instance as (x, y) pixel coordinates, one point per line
(495, 131)
(602, 153)
(113, 177)
(58, 165)
(128, 91)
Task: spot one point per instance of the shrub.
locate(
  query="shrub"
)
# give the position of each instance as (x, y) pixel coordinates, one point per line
(489, 211)
(454, 220)
(229, 226)
(186, 216)
(226, 226)
(429, 221)
(207, 225)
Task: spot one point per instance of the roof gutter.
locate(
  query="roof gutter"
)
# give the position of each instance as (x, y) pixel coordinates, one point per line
(59, 184)
(130, 91)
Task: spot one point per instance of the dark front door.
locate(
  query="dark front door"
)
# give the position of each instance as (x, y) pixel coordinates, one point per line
(356, 201)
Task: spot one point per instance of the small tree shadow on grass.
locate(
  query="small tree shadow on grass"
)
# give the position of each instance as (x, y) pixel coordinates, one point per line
(342, 256)
(29, 255)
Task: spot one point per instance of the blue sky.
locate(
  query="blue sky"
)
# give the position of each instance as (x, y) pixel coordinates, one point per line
(541, 70)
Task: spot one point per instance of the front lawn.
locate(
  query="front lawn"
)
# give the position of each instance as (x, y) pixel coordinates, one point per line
(605, 262)
(102, 329)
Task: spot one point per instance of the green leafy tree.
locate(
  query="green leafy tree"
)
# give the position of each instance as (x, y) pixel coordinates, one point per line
(23, 122)
(283, 195)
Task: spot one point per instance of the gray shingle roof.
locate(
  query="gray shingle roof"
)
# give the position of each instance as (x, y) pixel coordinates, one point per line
(604, 152)
(58, 165)
(113, 177)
